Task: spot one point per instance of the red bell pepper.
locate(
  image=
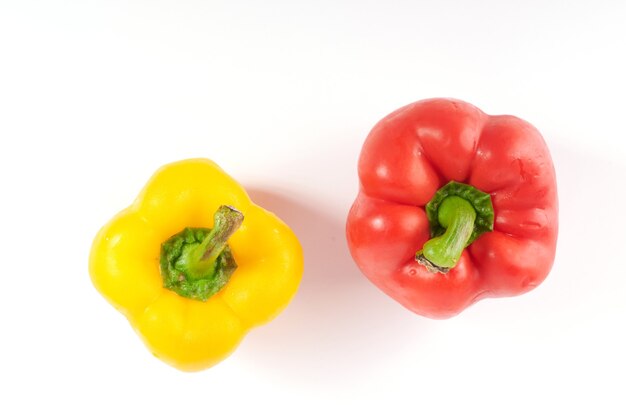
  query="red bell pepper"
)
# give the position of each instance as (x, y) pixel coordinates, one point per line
(454, 206)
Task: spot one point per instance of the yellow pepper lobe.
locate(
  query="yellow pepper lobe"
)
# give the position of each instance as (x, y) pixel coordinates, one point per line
(187, 333)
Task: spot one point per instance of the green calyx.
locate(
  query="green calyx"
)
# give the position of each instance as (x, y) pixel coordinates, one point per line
(197, 262)
(458, 214)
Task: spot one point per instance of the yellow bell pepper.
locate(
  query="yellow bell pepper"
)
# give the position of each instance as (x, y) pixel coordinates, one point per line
(193, 296)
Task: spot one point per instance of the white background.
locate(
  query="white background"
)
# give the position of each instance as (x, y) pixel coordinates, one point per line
(96, 95)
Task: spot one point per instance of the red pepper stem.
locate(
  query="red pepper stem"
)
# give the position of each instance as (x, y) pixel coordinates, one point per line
(442, 253)
(201, 260)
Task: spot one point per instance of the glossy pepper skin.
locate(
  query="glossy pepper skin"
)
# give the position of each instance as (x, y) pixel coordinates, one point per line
(415, 151)
(192, 334)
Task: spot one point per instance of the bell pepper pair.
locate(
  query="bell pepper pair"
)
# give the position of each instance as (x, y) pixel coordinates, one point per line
(454, 206)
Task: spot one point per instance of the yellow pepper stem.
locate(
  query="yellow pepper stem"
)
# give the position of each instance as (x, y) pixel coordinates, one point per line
(197, 262)
(202, 258)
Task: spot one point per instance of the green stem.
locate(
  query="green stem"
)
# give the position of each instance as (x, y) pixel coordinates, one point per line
(202, 258)
(458, 215)
(197, 262)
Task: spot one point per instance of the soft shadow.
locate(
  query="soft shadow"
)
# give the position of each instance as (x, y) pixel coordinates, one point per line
(338, 322)
(591, 192)
(588, 255)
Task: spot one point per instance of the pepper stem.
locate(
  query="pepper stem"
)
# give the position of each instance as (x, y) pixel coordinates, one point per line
(202, 258)
(442, 253)
(458, 214)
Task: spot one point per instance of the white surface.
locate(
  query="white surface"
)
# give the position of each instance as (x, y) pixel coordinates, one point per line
(94, 96)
